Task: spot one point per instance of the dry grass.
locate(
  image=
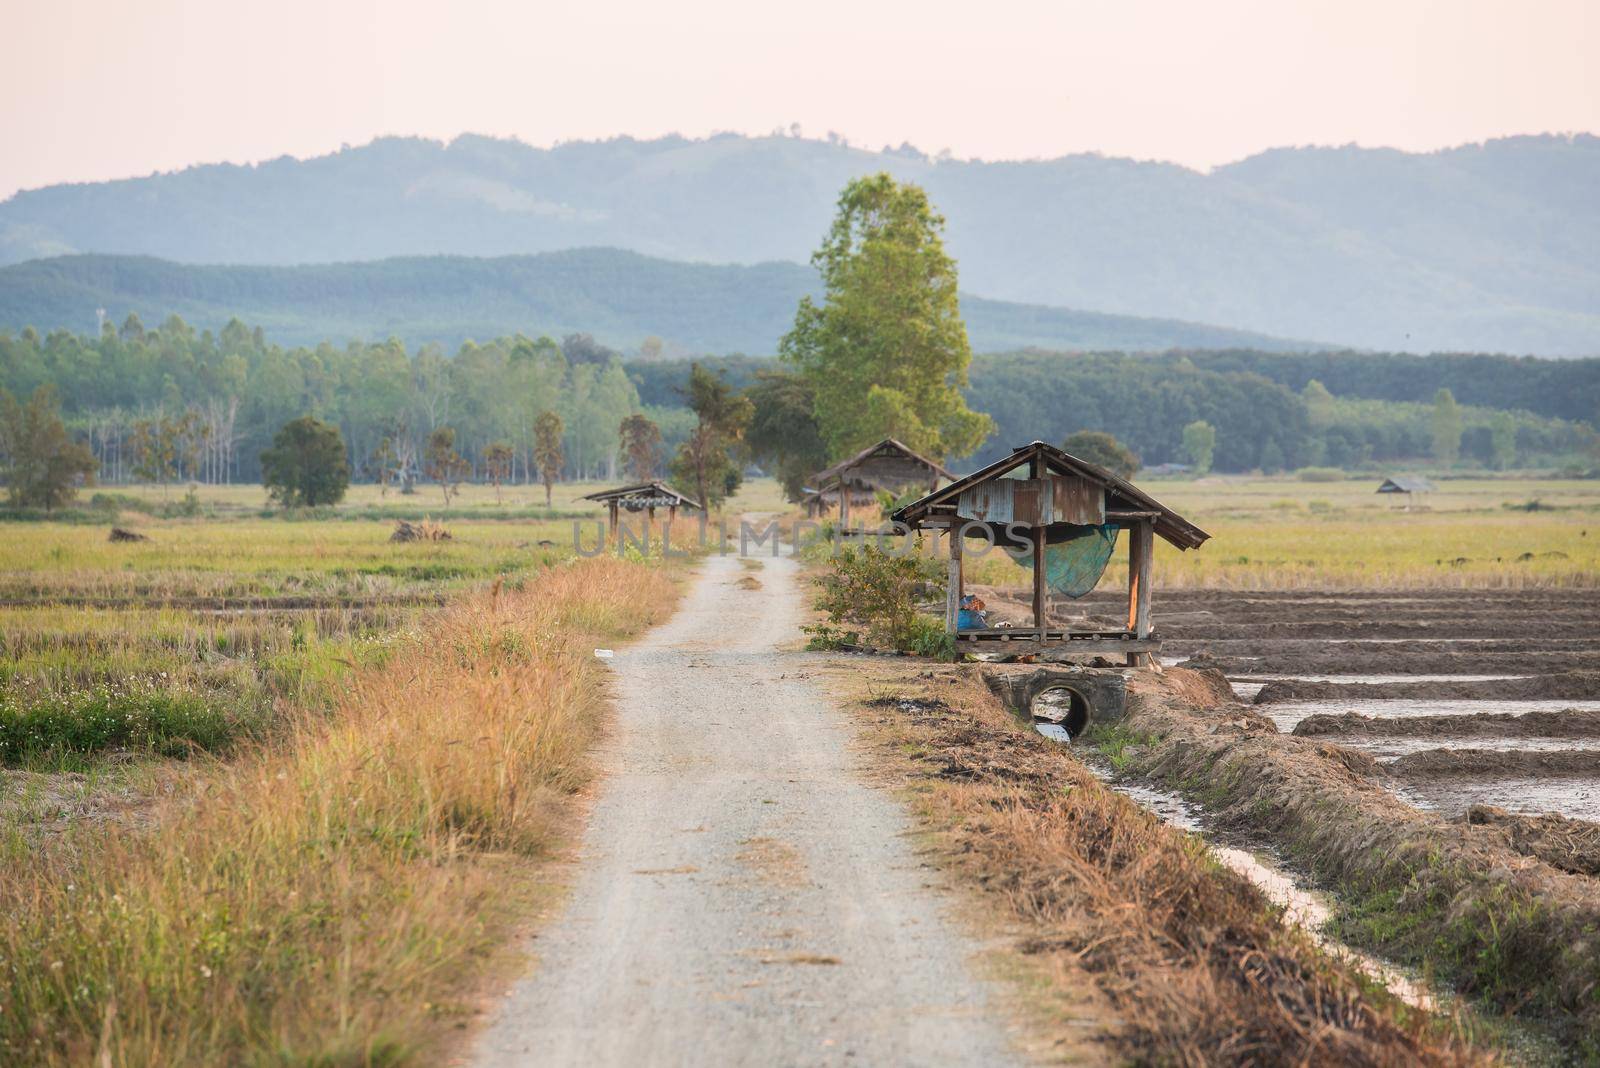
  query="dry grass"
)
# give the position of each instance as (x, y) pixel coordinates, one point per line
(1192, 958)
(321, 901)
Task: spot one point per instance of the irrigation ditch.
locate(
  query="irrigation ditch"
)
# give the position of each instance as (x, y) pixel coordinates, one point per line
(1429, 759)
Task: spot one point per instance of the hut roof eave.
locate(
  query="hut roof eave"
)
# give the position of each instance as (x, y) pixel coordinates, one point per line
(1172, 527)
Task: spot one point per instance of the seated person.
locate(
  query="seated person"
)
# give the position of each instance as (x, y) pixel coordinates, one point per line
(971, 615)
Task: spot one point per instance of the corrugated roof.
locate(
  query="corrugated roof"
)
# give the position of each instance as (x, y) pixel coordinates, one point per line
(1169, 524)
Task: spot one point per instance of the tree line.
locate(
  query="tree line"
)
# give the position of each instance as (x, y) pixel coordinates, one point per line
(882, 352)
(170, 404)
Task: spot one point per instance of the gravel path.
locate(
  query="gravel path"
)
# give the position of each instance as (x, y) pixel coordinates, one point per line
(744, 897)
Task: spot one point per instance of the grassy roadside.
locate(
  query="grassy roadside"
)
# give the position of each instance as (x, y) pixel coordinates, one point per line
(322, 900)
(1193, 962)
(1453, 899)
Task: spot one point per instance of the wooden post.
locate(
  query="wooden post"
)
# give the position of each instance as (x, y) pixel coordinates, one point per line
(844, 504)
(611, 509)
(1040, 620)
(952, 605)
(1140, 557)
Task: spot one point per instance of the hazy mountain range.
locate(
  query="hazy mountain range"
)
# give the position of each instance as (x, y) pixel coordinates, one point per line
(620, 297)
(1483, 247)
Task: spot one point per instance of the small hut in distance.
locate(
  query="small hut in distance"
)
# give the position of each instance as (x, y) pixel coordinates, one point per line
(1410, 485)
(645, 497)
(889, 466)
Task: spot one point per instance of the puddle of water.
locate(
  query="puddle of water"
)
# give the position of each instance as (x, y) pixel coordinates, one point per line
(1573, 797)
(1288, 713)
(1306, 908)
(1053, 731)
(1247, 686)
(1387, 748)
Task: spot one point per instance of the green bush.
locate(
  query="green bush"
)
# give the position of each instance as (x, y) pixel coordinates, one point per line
(120, 502)
(870, 598)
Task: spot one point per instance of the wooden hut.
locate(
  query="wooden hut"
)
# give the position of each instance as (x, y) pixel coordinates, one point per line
(1040, 497)
(1410, 485)
(888, 466)
(645, 497)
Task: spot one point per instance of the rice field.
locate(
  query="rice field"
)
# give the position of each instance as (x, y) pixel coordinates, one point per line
(1284, 534)
(192, 639)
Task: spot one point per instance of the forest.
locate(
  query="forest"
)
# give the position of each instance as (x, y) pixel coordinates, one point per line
(639, 303)
(230, 391)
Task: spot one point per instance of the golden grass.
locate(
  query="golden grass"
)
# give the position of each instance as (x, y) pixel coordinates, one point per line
(1197, 967)
(322, 901)
(1293, 549)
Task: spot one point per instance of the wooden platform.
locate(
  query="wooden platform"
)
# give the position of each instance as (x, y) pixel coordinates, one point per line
(1085, 643)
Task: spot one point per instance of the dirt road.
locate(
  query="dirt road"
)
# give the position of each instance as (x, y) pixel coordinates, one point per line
(744, 897)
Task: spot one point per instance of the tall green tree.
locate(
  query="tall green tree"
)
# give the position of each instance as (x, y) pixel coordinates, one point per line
(641, 447)
(443, 464)
(1103, 450)
(886, 352)
(783, 434)
(1446, 427)
(707, 460)
(306, 464)
(1502, 440)
(547, 454)
(1199, 445)
(497, 459)
(41, 463)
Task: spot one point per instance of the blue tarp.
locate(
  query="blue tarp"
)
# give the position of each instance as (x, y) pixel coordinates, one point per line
(1073, 566)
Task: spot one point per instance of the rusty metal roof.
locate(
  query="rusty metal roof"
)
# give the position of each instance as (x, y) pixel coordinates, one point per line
(1123, 496)
(888, 447)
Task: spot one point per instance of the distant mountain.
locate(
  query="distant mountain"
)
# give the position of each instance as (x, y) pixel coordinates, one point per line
(1483, 247)
(620, 297)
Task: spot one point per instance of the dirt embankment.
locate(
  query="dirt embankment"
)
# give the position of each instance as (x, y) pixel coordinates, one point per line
(1321, 657)
(1562, 723)
(1197, 967)
(1571, 845)
(1498, 763)
(1460, 899)
(1565, 686)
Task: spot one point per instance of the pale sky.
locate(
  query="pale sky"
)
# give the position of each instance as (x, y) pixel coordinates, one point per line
(95, 89)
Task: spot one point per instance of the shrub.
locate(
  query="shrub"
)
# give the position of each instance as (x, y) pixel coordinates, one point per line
(871, 597)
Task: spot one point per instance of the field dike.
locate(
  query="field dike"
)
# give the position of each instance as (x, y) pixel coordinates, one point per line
(1568, 685)
(1459, 900)
(1193, 963)
(329, 900)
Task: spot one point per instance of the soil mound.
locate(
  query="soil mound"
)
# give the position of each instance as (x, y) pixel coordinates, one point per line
(1496, 763)
(1571, 845)
(1567, 685)
(1566, 723)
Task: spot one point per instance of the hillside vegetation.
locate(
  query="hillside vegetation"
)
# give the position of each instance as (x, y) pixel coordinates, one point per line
(622, 298)
(1478, 248)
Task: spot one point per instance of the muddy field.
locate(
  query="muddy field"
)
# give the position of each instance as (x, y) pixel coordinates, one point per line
(1463, 698)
